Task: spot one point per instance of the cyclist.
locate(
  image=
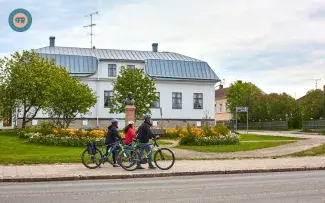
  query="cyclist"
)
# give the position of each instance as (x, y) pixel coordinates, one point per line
(144, 133)
(112, 137)
(129, 133)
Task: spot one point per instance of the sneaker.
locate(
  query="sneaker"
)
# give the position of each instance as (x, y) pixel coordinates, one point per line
(152, 167)
(140, 167)
(115, 165)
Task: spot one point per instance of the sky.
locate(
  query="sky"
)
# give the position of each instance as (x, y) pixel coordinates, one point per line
(279, 45)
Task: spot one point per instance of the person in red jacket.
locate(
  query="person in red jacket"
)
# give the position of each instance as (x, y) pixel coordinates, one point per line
(129, 133)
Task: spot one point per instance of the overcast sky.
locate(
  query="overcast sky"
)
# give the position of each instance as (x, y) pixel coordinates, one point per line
(279, 45)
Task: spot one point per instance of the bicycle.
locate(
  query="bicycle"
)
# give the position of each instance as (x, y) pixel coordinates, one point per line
(93, 151)
(131, 155)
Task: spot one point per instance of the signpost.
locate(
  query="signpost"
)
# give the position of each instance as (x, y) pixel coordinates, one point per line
(241, 109)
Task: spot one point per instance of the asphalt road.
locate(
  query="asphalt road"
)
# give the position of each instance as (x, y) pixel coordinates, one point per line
(253, 188)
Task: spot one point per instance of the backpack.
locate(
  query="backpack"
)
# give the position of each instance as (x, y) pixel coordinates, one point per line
(91, 147)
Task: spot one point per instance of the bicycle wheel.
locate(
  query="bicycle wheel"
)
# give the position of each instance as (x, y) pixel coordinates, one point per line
(164, 158)
(94, 160)
(127, 159)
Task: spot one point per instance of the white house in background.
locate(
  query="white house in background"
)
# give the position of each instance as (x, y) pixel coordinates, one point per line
(185, 85)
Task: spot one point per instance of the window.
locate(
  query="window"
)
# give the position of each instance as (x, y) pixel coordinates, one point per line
(131, 66)
(108, 95)
(156, 104)
(198, 100)
(177, 100)
(220, 108)
(111, 70)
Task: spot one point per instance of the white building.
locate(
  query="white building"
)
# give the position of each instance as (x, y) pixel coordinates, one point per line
(185, 85)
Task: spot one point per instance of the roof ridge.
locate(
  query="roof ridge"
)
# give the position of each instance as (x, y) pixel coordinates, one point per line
(85, 48)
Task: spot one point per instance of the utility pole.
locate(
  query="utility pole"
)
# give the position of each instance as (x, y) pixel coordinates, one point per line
(91, 25)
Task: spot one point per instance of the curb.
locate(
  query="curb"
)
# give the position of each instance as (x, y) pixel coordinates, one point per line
(153, 175)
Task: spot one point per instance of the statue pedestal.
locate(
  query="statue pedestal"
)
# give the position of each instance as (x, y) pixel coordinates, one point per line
(129, 114)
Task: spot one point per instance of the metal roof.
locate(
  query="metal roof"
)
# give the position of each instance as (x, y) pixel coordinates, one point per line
(161, 65)
(114, 54)
(75, 64)
(180, 69)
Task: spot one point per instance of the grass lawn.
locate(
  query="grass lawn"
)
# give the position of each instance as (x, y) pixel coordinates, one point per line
(19, 151)
(250, 137)
(315, 151)
(164, 142)
(245, 146)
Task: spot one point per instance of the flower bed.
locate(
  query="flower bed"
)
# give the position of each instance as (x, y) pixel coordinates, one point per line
(215, 135)
(48, 135)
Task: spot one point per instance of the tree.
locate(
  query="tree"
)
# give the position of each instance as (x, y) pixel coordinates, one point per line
(242, 94)
(67, 98)
(281, 106)
(23, 80)
(142, 87)
(312, 105)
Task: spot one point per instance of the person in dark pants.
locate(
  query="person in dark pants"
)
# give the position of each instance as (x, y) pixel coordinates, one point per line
(144, 133)
(113, 136)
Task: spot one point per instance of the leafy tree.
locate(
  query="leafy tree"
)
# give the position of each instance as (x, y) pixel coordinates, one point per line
(68, 97)
(280, 106)
(23, 80)
(312, 105)
(142, 87)
(242, 94)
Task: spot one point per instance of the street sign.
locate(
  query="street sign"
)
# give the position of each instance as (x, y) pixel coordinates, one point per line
(241, 109)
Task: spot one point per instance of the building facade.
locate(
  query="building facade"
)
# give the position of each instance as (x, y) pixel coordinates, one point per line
(185, 85)
(222, 114)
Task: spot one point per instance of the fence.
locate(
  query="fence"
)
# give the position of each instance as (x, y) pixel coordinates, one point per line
(271, 125)
(315, 124)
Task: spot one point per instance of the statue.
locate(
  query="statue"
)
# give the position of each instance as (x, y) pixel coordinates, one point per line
(129, 100)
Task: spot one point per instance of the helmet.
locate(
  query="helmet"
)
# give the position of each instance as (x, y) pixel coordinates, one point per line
(130, 123)
(114, 120)
(147, 117)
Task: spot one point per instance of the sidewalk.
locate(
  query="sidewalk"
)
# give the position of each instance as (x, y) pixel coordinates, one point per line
(60, 172)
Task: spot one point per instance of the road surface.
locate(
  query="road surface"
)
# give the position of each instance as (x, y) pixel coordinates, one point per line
(287, 187)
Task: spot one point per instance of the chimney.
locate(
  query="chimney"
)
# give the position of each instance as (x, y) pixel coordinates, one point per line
(155, 47)
(52, 41)
(220, 86)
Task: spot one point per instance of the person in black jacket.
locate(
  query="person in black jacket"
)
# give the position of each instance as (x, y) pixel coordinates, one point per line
(144, 134)
(112, 137)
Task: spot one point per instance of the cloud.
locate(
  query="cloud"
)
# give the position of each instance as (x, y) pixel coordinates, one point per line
(269, 43)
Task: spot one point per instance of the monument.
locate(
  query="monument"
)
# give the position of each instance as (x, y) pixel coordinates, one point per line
(129, 108)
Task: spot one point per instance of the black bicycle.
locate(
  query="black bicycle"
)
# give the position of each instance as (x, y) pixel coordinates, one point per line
(95, 154)
(128, 157)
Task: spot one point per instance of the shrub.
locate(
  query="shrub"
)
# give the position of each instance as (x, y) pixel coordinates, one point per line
(172, 133)
(188, 137)
(207, 130)
(45, 128)
(221, 129)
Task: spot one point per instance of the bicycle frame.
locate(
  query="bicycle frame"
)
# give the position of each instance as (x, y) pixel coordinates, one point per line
(153, 146)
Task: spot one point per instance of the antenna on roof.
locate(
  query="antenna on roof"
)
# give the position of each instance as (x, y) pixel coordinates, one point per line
(91, 25)
(316, 82)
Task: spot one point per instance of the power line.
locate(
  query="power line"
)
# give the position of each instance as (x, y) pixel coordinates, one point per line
(91, 25)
